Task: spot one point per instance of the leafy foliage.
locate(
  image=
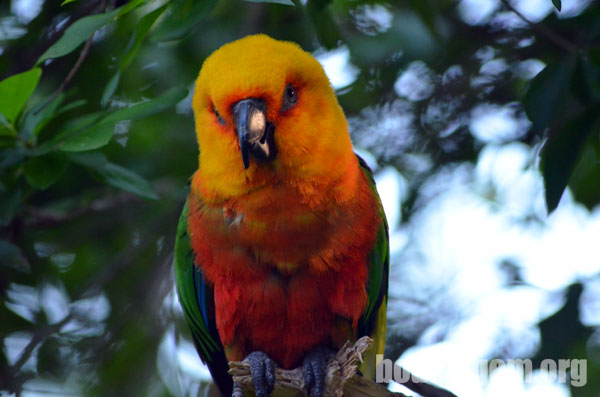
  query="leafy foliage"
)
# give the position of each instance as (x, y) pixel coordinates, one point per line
(557, 4)
(15, 91)
(562, 99)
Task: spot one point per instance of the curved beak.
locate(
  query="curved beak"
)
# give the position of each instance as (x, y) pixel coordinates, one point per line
(255, 133)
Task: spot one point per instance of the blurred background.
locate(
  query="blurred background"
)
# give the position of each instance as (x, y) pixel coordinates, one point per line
(481, 119)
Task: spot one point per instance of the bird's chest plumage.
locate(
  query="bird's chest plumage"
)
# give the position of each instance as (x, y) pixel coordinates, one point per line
(282, 316)
(286, 278)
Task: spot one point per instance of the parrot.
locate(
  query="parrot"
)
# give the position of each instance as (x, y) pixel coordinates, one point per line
(282, 247)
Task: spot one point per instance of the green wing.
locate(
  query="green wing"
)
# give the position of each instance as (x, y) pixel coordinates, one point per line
(373, 322)
(197, 300)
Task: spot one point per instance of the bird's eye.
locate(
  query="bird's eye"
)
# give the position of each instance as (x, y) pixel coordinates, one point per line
(290, 97)
(219, 118)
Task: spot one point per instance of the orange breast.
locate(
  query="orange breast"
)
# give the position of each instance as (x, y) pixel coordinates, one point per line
(286, 272)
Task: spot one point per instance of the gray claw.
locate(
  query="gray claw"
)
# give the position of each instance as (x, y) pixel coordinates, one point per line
(262, 368)
(314, 368)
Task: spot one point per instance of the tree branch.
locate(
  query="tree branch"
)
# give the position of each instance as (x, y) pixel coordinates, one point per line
(38, 337)
(341, 378)
(544, 31)
(44, 218)
(82, 55)
(67, 80)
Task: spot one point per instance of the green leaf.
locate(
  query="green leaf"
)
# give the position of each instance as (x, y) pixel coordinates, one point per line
(40, 111)
(77, 33)
(584, 180)
(141, 32)
(144, 109)
(83, 121)
(127, 180)
(561, 154)
(591, 77)
(327, 30)
(71, 106)
(547, 94)
(110, 88)
(114, 174)
(78, 137)
(284, 2)
(82, 29)
(12, 256)
(66, 108)
(71, 129)
(67, 2)
(6, 129)
(557, 4)
(10, 200)
(89, 139)
(10, 157)
(16, 90)
(133, 4)
(94, 160)
(183, 18)
(36, 118)
(42, 172)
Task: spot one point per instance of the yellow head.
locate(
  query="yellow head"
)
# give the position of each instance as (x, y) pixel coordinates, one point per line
(265, 113)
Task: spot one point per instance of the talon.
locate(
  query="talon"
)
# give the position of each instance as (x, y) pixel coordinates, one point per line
(238, 390)
(314, 368)
(262, 368)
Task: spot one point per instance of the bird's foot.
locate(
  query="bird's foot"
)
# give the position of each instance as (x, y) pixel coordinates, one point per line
(314, 368)
(238, 390)
(262, 368)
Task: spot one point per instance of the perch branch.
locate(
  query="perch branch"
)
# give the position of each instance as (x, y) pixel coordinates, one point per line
(341, 378)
